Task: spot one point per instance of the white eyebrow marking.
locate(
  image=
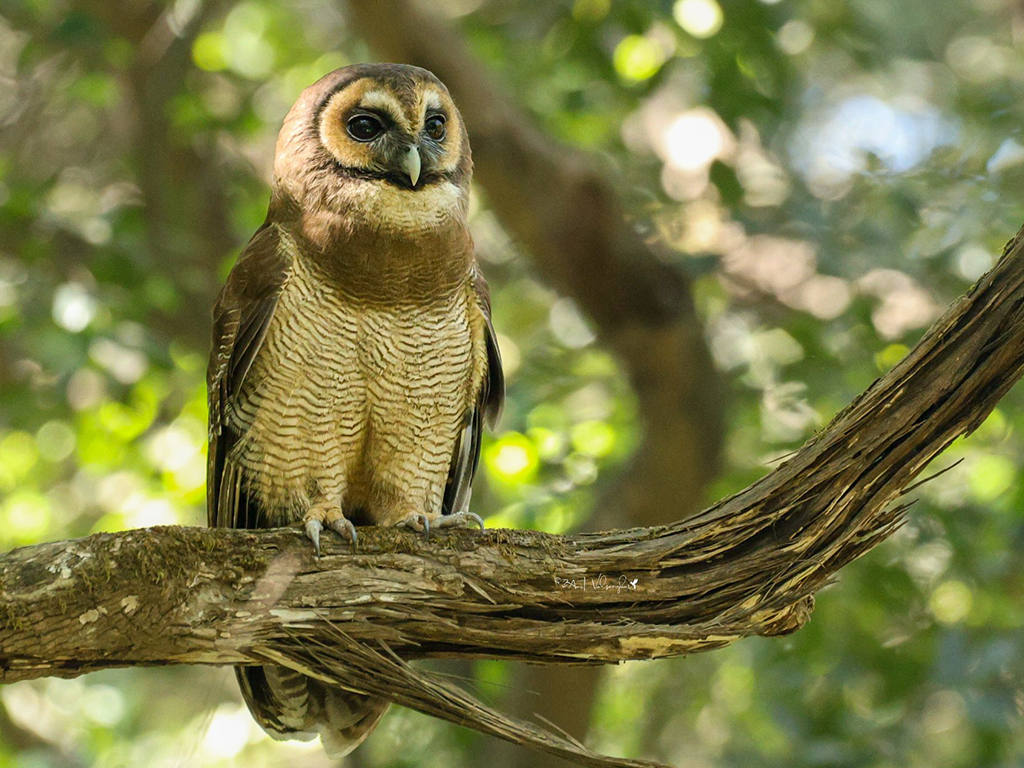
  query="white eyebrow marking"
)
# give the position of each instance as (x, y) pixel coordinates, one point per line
(432, 100)
(384, 101)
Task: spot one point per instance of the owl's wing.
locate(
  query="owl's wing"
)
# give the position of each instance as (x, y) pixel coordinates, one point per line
(492, 394)
(240, 319)
(486, 410)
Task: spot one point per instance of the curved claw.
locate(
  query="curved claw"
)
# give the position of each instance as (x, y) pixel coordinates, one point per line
(313, 528)
(460, 520)
(417, 521)
(344, 528)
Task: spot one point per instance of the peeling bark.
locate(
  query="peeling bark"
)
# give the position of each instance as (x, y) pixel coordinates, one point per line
(747, 566)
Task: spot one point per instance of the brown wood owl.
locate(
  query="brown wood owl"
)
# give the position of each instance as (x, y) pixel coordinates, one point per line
(354, 360)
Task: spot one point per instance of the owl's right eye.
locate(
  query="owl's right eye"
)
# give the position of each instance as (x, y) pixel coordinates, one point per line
(364, 128)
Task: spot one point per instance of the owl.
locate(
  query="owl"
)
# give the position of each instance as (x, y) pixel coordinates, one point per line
(354, 362)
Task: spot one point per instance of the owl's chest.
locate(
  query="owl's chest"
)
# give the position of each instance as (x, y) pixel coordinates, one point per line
(328, 361)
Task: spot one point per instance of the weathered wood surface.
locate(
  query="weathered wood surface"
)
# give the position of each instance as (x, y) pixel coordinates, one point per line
(748, 565)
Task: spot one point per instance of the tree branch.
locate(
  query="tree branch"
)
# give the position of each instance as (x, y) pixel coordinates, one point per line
(747, 566)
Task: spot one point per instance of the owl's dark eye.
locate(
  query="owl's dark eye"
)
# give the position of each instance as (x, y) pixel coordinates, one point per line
(364, 128)
(434, 127)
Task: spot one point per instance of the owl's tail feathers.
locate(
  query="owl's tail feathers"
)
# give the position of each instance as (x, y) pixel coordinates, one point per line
(289, 705)
(349, 719)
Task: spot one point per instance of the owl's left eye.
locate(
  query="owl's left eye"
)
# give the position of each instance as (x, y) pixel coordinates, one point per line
(364, 128)
(434, 127)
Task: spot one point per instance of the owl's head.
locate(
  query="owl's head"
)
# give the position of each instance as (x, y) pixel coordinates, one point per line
(377, 141)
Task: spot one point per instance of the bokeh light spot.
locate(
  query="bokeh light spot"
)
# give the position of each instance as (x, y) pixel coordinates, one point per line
(208, 52)
(638, 58)
(512, 458)
(694, 139)
(701, 18)
(951, 602)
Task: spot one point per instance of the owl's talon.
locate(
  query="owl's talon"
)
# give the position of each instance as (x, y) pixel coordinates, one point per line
(327, 513)
(459, 520)
(418, 522)
(344, 528)
(313, 528)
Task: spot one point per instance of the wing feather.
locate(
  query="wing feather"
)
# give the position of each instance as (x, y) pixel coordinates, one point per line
(241, 317)
(487, 409)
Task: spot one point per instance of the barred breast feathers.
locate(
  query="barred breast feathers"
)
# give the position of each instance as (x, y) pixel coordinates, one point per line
(333, 371)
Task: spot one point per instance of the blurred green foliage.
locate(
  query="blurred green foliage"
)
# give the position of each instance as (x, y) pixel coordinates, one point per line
(832, 173)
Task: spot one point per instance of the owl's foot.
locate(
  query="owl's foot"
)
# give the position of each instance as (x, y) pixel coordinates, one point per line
(422, 523)
(459, 520)
(417, 521)
(331, 515)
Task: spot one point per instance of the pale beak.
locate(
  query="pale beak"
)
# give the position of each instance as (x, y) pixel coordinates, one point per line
(411, 164)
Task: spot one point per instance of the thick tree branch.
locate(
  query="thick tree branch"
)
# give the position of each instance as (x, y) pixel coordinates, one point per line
(747, 566)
